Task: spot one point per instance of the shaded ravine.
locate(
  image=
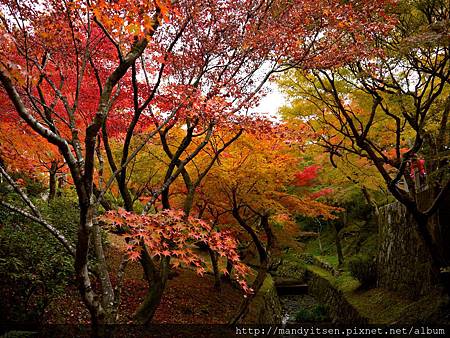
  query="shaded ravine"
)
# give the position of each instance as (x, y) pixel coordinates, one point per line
(292, 304)
(295, 300)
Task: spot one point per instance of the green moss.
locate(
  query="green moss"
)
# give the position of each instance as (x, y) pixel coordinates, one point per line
(299, 259)
(291, 269)
(265, 299)
(346, 283)
(331, 260)
(327, 243)
(385, 307)
(382, 306)
(319, 271)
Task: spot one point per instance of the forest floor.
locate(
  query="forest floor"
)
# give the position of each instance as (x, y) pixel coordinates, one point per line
(188, 298)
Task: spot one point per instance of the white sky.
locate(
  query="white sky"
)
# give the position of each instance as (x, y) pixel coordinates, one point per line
(272, 101)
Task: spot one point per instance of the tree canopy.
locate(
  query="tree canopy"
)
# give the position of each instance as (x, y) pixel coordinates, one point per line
(148, 113)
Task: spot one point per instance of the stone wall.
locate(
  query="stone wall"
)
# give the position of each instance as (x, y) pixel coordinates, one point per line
(403, 264)
(265, 308)
(340, 310)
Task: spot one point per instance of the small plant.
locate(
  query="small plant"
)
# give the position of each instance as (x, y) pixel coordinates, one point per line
(319, 313)
(303, 315)
(363, 268)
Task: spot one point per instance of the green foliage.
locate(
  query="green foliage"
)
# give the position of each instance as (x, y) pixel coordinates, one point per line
(303, 315)
(34, 267)
(33, 187)
(369, 246)
(326, 243)
(62, 212)
(310, 223)
(319, 313)
(363, 268)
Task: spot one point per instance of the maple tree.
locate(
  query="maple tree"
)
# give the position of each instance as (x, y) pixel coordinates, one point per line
(352, 183)
(391, 108)
(207, 97)
(249, 187)
(22, 152)
(49, 86)
(198, 64)
(169, 233)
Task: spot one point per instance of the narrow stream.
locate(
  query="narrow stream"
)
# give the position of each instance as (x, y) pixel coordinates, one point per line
(293, 304)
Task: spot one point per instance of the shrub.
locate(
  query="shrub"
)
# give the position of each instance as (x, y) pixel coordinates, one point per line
(303, 315)
(310, 223)
(319, 313)
(363, 268)
(34, 267)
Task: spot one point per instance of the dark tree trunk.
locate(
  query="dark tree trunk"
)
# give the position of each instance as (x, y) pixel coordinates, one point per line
(338, 225)
(157, 279)
(60, 185)
(52, 185)
(229, 268)
(165, 199)
(215, 266)
(144, 314)
(262, 269)
(433, 250)
(340, 255)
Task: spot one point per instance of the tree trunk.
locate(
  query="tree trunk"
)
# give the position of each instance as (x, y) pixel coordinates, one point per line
(189, 200)
(60, 184)
(157, 279)
(102, 269)
(339, 248)
(215, 266)
(422, 229)
(262, 270)
(144, 314)
(338, 225)
(165, 199)
(269, 233)
(81, 268)
(229, 268)
(52, 184)
(370, 200)
(259, 280)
